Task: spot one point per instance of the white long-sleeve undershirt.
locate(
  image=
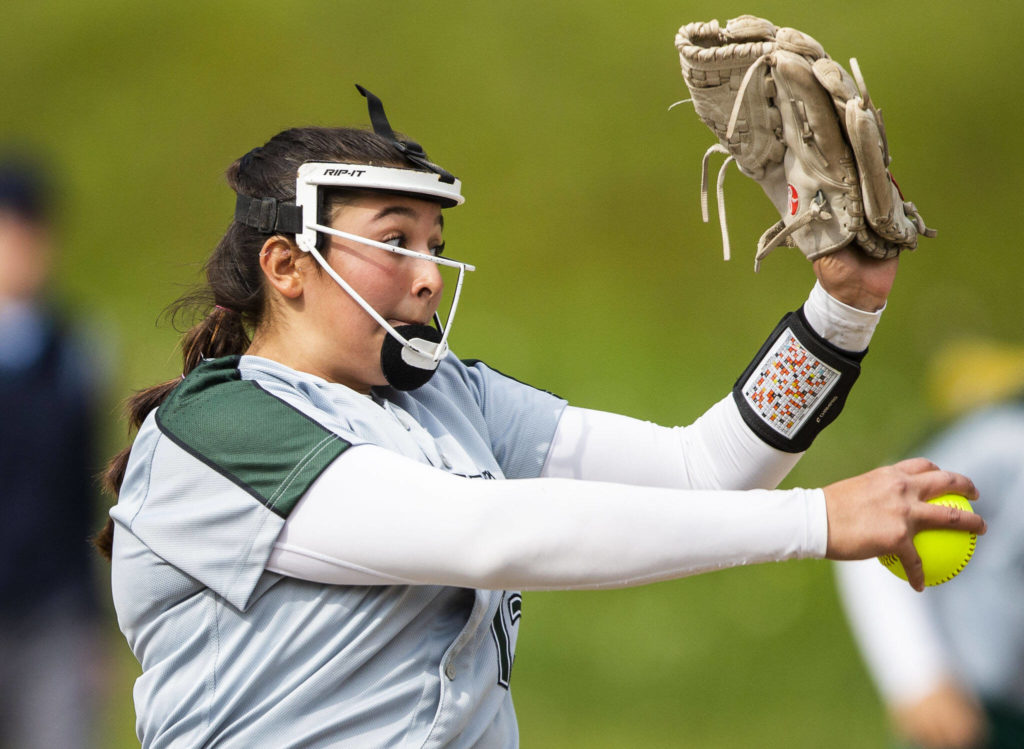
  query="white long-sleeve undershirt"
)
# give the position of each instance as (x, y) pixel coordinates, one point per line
(718, 451)
(620, 502)
(377, 518)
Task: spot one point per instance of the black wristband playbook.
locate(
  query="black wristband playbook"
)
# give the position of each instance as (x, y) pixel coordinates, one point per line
(796, 385)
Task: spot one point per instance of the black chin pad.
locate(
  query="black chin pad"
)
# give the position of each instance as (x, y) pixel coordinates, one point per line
(400, 374)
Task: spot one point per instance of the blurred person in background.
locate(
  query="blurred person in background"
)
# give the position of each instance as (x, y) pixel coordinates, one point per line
(949, 664)
(48, 395)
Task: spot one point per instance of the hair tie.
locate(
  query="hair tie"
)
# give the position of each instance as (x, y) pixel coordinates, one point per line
(216, 327)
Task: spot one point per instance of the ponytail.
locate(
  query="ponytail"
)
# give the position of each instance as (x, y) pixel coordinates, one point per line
(221, 332)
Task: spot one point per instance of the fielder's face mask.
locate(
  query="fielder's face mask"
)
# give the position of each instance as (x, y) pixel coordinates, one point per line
(410, 353)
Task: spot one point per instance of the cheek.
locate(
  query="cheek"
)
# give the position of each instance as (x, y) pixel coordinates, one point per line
(376, 279)
(345, 316)
(375, 291)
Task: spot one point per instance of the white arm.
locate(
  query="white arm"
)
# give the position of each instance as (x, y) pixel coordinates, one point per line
(377, 518)
(840, 324)
(718, 451)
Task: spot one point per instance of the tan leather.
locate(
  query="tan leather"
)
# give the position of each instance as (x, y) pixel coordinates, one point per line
(806, 130)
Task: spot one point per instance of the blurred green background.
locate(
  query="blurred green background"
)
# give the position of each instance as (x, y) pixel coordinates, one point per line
(596, 278)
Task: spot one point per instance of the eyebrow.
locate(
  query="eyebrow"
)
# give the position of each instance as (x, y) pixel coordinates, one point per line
(403, 210)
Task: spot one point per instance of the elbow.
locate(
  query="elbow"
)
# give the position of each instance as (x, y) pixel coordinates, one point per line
(498, 553)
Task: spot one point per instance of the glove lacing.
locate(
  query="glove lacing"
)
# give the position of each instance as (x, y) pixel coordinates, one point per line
(779, 233)
(719, 192)
(776, 234)
(720, 182)
(734, 115)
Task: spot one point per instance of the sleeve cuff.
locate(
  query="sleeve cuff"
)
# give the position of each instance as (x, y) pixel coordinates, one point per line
(817, 524)
(845, 327)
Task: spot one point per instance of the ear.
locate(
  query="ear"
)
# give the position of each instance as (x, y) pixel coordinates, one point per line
(281, 262)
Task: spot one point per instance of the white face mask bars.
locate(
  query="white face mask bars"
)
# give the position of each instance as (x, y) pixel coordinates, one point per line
(426, 185)
(441, 348)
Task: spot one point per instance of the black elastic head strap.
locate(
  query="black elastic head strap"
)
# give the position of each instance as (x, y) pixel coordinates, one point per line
(271, 216)
(268, 215)
(412, 150)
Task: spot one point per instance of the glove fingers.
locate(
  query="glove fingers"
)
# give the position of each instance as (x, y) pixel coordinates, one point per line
(876, 246)
(799, 43)
(749, 28)
(820, 169)
(809, 116)
(883, 206)
(834, 78)
(798, 123)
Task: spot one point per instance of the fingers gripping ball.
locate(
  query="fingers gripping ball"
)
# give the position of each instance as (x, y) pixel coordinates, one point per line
(944, 553)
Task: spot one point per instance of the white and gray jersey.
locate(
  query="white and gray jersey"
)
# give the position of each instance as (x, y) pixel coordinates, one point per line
(296, 564)
(232, 652)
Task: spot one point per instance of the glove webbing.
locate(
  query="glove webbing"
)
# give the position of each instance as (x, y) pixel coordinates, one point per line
(719, 148)
(734, 115)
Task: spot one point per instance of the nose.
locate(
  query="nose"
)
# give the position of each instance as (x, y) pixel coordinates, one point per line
(427, 282)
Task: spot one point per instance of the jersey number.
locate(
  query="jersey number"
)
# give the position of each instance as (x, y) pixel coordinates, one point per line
(505, 620)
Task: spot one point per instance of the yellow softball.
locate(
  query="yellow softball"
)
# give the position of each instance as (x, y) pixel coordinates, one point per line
(944, 553)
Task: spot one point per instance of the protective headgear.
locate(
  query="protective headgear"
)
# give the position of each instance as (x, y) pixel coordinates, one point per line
(410, 353)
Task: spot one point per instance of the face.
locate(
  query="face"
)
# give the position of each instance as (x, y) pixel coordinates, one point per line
(401, 289)
(24, 257)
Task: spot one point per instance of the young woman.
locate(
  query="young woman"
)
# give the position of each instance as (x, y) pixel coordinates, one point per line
(309, 548)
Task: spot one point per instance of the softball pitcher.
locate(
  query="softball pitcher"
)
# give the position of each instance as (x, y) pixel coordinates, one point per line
(323, 525)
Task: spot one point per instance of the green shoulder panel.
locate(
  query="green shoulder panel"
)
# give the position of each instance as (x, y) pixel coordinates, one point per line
(253, 438)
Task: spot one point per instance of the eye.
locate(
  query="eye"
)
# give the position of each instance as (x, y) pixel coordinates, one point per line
(397, 240)
(438, 250)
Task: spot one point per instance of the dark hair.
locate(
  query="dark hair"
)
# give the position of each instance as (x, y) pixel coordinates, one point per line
(26, 184)
(232, 303)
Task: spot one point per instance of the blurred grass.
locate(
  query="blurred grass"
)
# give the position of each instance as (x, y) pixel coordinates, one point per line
(596, 278)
